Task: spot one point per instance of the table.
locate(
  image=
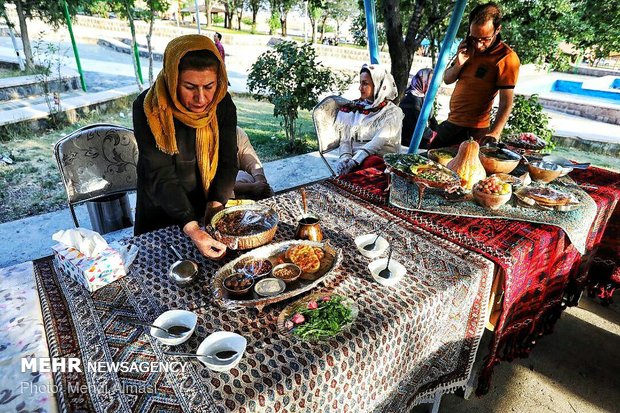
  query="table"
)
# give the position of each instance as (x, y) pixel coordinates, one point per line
(540, 272)
(410, 343)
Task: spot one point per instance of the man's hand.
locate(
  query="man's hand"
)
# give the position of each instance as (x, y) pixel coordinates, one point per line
(207, 246)
(464, 53)
(489, 138)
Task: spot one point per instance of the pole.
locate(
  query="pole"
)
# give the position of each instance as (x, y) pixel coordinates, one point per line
(20, 60)
(75, 49)
(442, 62)
(198, 16)
(371, 28)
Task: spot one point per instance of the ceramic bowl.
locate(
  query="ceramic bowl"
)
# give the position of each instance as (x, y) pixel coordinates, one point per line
(174, 318)
(222, 341)
(380, 247)
(494, 162)
(397, 271)
(491, 201)
(294, 270)
(563, 162)
(544, 171)
(237, 291)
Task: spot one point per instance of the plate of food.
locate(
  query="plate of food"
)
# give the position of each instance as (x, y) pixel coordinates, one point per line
(308, 263)
(419, 169)
(317, 316)
(442, 155)
(526, 140)
(245, 226)
(545, 197)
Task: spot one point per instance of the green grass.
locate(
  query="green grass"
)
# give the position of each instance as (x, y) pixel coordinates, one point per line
(32, 184)
(5, 73)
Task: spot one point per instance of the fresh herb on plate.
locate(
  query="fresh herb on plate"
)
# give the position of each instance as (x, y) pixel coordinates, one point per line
(322, 318)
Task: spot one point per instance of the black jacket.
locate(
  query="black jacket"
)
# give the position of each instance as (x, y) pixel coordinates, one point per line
(170, 186)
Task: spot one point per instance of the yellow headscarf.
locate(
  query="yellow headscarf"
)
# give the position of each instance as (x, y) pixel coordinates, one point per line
(161, 106)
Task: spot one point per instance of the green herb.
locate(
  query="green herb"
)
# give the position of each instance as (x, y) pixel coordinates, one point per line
(326, 320)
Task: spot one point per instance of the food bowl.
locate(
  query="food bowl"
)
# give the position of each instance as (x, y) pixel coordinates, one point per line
(268, 287)
(380, 246)
(491, 201)
(238, 233)
(563, 162)
(174, 318)
(498, 160)
(222, 341)
(238, 283)
(258, 268)
(442, 155)
(397, 271)
(286, 272)
(544, 171)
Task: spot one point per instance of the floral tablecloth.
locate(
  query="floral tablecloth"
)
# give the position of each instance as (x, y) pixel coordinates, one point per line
(409, 343)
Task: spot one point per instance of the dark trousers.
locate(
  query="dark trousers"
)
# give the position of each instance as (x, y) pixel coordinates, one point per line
(449, 134)
(411, 107)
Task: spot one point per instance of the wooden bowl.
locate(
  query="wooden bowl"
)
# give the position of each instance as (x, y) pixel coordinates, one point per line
(498, 161)
(544, 171)
(491, 201)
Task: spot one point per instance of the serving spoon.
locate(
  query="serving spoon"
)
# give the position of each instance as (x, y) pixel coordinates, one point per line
(386, 273)
(224, 355)
(372, 245)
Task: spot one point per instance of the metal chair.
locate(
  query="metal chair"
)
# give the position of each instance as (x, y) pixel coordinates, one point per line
(324, 116)
(97, 161)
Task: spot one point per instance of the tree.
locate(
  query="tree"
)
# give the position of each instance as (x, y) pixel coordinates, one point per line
(208, 12)
(125, 8)
(229, 10)
(51, 12)
(596, 27)
(402, 46)
(239, 4)
(315, 11)
(284, 7)
(340, 11)
(154, 6)
(290, 78)
(255, 6)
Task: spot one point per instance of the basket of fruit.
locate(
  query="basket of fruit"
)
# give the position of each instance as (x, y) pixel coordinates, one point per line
(492, 192)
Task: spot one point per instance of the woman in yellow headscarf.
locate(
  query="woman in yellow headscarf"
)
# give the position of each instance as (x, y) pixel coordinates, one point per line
(185, 126)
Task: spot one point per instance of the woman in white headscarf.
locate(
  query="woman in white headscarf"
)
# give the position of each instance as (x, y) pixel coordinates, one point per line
(370, 125)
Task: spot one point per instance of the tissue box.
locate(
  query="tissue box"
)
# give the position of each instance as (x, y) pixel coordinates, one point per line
(92, 273)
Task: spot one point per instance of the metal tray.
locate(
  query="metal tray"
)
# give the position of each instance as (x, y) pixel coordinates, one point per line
(275, 254)
(392, 160)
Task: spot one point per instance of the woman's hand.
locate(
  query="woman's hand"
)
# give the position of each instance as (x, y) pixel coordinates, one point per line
(207, 246)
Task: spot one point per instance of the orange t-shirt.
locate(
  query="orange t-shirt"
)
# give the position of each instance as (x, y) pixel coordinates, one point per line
(480, 78)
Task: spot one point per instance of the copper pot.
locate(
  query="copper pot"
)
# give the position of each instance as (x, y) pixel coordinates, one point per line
(309, 227)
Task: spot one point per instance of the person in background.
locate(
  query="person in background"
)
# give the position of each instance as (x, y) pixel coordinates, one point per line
(251, 182)
(411, 106)
(185, 127)
(217, 38)
(483, 67)
(371, 125)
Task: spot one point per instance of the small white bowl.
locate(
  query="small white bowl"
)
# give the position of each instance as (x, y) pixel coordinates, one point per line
(222, 341)
(174, 318)
(396, 268)
(380, 247)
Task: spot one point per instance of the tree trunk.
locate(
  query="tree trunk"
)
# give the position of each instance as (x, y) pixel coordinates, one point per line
(239, 17)
(323, 21)
(400, 54)
(179, 12)
(208, 12)
(254, 13)
(23, 29)
(312, 22)
(148, 45)
(283, 24)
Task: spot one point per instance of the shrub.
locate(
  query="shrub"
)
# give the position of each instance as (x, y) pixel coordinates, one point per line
(527, 116)
(290, 78)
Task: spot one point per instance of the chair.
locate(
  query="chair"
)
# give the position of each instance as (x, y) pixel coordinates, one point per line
(324, 116)
(97, 161)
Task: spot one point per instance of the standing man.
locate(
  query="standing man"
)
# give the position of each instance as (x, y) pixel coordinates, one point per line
(217, 37)
(483, 66)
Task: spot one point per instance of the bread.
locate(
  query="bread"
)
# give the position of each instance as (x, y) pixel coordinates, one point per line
(306, 257)
(547, 196)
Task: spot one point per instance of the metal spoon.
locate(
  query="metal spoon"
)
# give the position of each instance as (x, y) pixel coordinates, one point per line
(386, 273)
(173, 331)
(372, 245)
(225, 355)
(183, 271)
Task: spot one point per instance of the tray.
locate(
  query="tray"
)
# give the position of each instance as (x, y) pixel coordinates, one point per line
(524, 200)
(275, 254)
(523, 147)
(291, 308)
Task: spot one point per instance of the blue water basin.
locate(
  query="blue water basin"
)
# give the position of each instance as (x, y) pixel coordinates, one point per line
(575, 88)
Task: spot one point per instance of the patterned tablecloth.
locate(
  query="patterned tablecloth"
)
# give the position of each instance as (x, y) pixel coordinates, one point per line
(409, 342)
(540, 270)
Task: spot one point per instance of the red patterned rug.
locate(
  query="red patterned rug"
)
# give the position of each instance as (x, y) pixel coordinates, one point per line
(542, 271)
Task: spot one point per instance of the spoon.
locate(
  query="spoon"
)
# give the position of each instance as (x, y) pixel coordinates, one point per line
(372, 245)
(224, 355)
(183, 271)
(386, 273)
(173, 331)
(304, 201)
